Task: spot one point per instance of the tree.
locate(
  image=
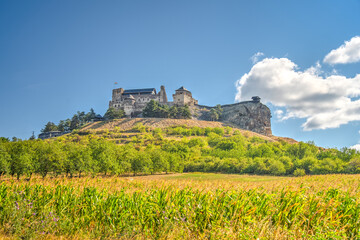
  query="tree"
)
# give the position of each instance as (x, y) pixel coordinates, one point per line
(173, 112)
(354, 165)
(184, 112)
(141, 162)
(215, 113)
(123, 156)
(49, 157)
(49, 127)
(4, 160)
(218, 109)
(103, 153)
(4, 140)
(113, 113)
(299, 172)
(154, 109)
(90, 115)
(32, 136)
(151, 109)
(75, 122)
(159, 162)
(78, 159)
(64, 125)
(21, 159)
(214, 116)
(277, 168)
(81, 117)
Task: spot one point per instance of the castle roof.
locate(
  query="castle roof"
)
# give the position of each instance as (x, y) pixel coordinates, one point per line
(140, 91)
(182, 89)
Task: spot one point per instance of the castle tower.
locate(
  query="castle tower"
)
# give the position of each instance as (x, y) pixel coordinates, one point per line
(183, 97)
(128, 105)
(162, 95)
(116, 93)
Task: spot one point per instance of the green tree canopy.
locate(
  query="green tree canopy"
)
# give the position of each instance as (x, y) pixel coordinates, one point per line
(113, 113)
(49, 127)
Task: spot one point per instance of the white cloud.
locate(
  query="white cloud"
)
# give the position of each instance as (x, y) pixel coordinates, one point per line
(279, 113)
(256, 56)
(356, 147)
(325, 102)
(349, 52)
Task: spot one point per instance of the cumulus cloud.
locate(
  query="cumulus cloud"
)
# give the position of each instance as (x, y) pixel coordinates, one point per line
(256, 56)
(325, 102)
(356, 147)
(349, 52)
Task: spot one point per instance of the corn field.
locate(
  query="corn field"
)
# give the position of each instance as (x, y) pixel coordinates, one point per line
(173, 209)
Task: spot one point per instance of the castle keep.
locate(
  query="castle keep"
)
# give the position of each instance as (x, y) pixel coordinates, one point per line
(249, 115)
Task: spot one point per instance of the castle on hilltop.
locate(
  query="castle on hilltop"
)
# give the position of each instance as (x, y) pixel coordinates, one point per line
(133, 101)
(250, 115)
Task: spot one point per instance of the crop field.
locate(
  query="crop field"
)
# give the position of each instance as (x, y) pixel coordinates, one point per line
(188, 206)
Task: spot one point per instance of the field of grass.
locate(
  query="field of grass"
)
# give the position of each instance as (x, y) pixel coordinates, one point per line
(189, 206)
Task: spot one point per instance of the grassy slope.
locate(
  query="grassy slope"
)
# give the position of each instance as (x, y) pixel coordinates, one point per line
(128, 124)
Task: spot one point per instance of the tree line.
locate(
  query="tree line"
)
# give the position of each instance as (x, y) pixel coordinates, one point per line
(222, 150)
(152, 109)
(77, 121)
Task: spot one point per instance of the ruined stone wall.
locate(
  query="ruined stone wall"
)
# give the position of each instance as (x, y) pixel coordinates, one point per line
(252, 116)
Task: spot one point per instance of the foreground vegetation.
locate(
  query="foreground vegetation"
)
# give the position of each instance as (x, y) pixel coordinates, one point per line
(69, 186)
(189, 206)
(144, 150)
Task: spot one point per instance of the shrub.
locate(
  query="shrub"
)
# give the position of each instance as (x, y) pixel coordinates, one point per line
(299, 172)
(277, 168)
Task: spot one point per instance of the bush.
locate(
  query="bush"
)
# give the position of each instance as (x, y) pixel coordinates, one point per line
(277, 168)
(299, 172)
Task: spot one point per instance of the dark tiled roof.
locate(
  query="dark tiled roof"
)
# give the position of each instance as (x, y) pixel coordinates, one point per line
(182, 89)
(141, 90)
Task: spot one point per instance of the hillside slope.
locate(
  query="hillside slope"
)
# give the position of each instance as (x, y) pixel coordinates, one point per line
(129, 123)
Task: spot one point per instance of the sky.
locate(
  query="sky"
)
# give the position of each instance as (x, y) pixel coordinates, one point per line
(301, 57)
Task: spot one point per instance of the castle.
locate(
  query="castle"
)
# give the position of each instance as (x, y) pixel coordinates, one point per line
(133, 101)
(249, 115)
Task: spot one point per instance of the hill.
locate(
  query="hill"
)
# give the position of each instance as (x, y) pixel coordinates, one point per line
(128, 124)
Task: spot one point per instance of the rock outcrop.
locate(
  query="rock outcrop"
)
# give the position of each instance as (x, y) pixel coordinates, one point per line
(249, 115)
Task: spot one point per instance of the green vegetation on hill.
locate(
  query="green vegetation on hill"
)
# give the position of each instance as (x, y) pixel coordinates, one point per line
(113, 113)
(143, 150)
(78, 120)
(156, 110)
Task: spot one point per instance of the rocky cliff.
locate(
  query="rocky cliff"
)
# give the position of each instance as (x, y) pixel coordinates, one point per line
(250, 115)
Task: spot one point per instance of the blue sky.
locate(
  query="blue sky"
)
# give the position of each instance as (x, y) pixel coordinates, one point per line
(58, 57)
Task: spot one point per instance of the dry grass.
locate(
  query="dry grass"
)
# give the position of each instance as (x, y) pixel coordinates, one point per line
(128, 124)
